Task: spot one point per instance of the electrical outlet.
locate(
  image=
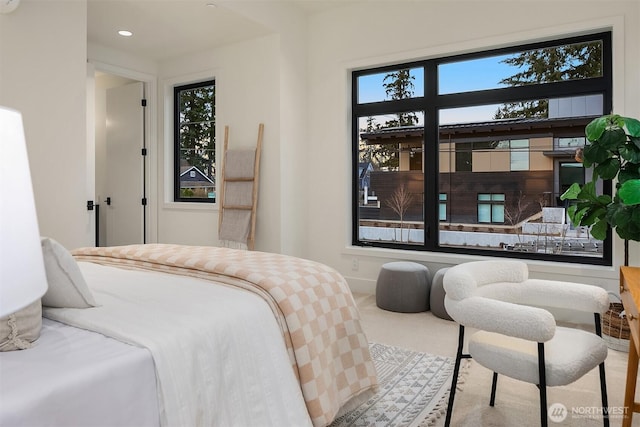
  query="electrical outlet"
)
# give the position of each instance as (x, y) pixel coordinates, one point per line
(355, 264)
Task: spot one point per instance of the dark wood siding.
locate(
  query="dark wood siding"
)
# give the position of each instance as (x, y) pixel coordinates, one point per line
(386, 183)
(462, 189)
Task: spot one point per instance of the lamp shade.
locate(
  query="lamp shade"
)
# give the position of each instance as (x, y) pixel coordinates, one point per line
(22, 275)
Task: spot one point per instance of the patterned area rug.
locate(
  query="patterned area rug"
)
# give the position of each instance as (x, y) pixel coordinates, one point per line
(414, 388)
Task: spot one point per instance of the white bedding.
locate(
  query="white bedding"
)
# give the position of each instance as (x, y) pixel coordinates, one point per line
(73, 377)
(219, 352)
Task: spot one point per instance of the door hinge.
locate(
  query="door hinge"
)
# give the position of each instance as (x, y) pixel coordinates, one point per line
(144, 151)
(144, 102)
(144, 201)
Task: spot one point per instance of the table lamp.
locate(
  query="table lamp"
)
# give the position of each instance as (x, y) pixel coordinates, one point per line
(22, 274)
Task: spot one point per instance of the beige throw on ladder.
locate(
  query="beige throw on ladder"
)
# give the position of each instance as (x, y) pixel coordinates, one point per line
(239, 194)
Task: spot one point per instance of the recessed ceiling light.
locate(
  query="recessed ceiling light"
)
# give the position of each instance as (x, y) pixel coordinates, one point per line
(211, 4)
(125, 33)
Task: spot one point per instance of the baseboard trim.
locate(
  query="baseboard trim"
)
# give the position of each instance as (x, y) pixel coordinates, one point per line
(361, 286)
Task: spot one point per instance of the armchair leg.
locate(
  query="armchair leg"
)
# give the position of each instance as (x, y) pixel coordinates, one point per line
(603, 392)
(603, 380)
(542, 379)
(456, 371)
(494, 383)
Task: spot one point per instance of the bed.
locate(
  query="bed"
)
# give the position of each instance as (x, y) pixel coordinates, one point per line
(184, 335)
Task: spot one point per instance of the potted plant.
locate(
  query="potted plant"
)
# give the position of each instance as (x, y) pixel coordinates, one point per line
(613, 151)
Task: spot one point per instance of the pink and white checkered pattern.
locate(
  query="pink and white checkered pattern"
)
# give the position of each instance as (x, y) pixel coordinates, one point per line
(312, 302)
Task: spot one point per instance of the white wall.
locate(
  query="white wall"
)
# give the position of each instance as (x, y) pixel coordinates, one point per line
(43, 75)
(362, 36)
(295, 184)
(247, 93)
(264, 80)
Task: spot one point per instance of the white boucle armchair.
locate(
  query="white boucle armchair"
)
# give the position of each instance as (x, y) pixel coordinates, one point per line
(516, 335)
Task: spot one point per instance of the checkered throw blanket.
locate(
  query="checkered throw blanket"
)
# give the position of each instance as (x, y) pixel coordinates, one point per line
(311, 301)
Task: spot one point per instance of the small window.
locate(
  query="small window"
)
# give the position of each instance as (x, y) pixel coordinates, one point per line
(519, 154)
(195, 142)
(442, 207)
(572, 142)
(491, 208)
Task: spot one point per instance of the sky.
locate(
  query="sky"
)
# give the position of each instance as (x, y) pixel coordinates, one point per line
(455, 77)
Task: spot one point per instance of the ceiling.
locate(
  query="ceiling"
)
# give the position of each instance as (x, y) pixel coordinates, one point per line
(164, 29)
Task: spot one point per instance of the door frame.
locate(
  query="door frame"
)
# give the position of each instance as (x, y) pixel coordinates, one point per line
(150, 140)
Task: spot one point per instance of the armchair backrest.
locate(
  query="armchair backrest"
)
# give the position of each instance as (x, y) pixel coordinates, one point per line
(463, 280)
(485, 295)
(471, 287)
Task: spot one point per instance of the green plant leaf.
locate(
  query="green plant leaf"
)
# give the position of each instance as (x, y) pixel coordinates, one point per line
(571, 212)
(625, 219)
(609, 168)
(633, 230)
(616, 120)
(593, 215)
(578, 215)
(588, 192)
(618, 215)
(629, 234)
(612, 139)
(603, 199)
(595, 128)
(594, 153)
(599, 230)
(571, 193)
(629, 192)
(633, 126)
(635, 141)
(630, 153)
(628, 173)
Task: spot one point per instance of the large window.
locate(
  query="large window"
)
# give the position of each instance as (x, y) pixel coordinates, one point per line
(195, 142)
(445, 162)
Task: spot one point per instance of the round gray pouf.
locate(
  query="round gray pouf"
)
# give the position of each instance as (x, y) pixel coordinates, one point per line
(403, 287)
(436, 299)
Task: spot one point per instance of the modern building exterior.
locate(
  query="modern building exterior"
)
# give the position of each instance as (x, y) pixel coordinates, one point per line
(496, 177)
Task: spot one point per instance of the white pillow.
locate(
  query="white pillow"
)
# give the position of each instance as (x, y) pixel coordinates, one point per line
(67, 287)
(20, 329)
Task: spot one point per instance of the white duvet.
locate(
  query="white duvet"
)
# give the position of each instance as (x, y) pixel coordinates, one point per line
(219, 354)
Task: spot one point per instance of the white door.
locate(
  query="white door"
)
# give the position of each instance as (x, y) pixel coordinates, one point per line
(123, 205)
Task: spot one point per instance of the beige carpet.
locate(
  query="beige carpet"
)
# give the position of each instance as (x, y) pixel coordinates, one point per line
(516, 402)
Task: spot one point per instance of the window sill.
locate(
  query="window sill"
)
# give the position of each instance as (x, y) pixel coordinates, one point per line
(190, 206)
(536, 266)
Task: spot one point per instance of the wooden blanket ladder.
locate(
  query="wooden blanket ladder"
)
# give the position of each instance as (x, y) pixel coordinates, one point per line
(238, 193)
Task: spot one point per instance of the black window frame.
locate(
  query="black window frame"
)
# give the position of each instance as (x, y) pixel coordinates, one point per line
(176, 142)
(432, 102)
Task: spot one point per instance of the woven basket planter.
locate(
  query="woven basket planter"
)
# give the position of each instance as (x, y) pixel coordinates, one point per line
(615, 328)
